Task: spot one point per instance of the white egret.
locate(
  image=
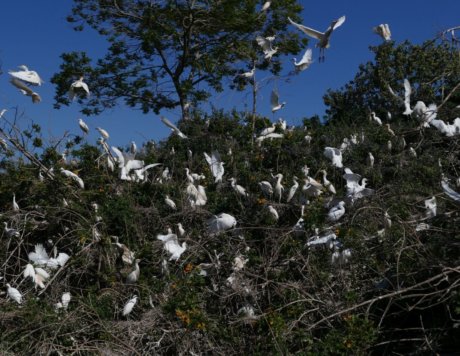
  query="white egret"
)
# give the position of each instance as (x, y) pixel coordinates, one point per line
(412, 152)
(172, 246)
(133, 148)
(336, 212)
(447, 129)
(335, 155)
(305, 62)
(268, 130)
(133, 276)
(249, 74)
(312, 187)
(15, 204)
(170, 203)
(266, 44)
(215, 165)
(279, 189)
(430, 205)
(14, 294)
(84, 127)
(127, 256)
(265, 6)
(172, 127)
(327, 183)
(273, 212)
(293, 189)
(103, 133)
(383, 30)
(220, 223)
(238, 263)
(407, 94)
(376, 118)
(24, 89)
(266, 188)
(180, 229)
(238, 188)
(449, 191)
(321, 240)
(78, 86)
(75, 177)
(26, 75)
(391, 132)
(389, 145)
(370, 159)
(65, 300)
(129, 305)
(323, 38)
(274, 101)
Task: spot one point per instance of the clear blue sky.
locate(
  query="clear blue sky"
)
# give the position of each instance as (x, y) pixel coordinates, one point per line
(35, 33)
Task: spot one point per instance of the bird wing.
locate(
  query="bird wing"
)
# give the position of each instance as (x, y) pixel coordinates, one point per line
(264, 43)
(274, 98)
(120, 156)
(172, 126)
(28, 76)
(309, 31)
(336, 23)
(307, 56)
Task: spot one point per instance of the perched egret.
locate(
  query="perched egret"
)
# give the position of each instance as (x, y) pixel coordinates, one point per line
(375, 118)
(383, 30)
(312, 187)
(279, 189)
(275, 103)
(84, 127)
(14, 294)
(266, 188)
(430, 205)
(238, 188)
(327, 183)
(133, 276)
(133, 148)
(172, 127)
(215, 165)
(172, 246)
(392, 133)
(15, 204)
(180, 229)
(265, 6)
(293, 189)
(170, 203)
(10, 232)
(268, 130)
(77, 87)
(273, 212)
(127, 256)
(72, 175)
(449, 191)
(129, 305)
(249, 74)
(323, 38)
(305, 62)
(105, 135)
(407, 94)
(370, 159)
(220, 223)
(336, 212)
(447, 129)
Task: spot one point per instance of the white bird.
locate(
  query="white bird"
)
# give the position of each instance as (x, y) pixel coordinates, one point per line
(383, 30)
(447, 129)
(215, 165)
(407, 94)
(26, 75)
(336, 212)
(370, 159)
(72, 175)
(335, 155)
(312, 187)
(376, 118)
(392, 133)
(172, 246)
(133, 148)
(355, 190)
(323, 38)
(220, 223)
(84, 127)
(273, 212)
(266, 44)
(249, 74)
(265, 6)
(305, 62)
(327, 183)
(170, 203)
(293, 189)
(449, 191)
(425, 114)
(412, 152)
(238, 188)
(15, 204)
(172, 127)
(65, 299)
(24, 89)
(78, 86)
(14, 294)
(268, 130)
(180, 229)
(103, 133)
(133, 276)
(274, 101)
(266, 188)
(430, 205)
(129, 305)
(279, 189)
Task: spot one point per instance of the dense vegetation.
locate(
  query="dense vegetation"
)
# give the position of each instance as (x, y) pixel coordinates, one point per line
(263, 286)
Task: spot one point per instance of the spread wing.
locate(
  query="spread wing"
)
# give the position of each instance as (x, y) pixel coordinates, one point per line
(309, 31)
(336, 23)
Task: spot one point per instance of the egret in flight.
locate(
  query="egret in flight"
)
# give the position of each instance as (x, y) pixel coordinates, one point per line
(323, 38)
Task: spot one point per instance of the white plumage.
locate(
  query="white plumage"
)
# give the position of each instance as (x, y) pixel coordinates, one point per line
(220, 223)
(129, 305)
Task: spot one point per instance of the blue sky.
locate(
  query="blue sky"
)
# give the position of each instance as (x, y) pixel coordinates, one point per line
(35, 33)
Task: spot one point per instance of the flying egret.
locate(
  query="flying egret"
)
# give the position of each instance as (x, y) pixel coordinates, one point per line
(78, 86)
(336, 212)
(323, 38)
(84, 127)
(305, 62)
(172, 127)
(170, 203)
(220, 223)
(14, 294)
(72, 175)
(293, 189)
(105, 135)
(129, 305)
(26, 75)
(335, 155)
(215, 165)
(266, 44)
(274, 101)
(383, 30)
(24, 89)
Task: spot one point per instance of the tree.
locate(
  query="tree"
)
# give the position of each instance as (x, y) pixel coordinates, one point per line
(166, 54)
